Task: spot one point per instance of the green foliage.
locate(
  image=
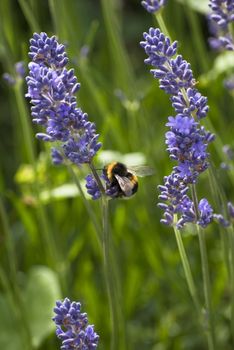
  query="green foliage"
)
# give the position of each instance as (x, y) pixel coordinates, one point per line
(39, 291)
(49, 242)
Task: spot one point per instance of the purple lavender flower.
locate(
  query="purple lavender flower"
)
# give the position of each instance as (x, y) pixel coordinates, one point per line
(187, 140)
(153, 6)
(179, 208)
(221, 17)
(206, 213)
(52, 88)
(92, 187)
(175, 201)
(195, 103)
(111, 190)
(187, 143)
(72, 327)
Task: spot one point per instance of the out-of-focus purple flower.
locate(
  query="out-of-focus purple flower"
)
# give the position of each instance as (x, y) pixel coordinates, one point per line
(230, 213)
(222, 12)
(18, 73)
(52, 88)
(230, 209)
(72, 327)
(9, 78)
(84, 51)
(20, 69)
(228, 151)
(229, 83)
(219, 19)
(153, 6)
(221, 220)
(225, 166)
(187, 140)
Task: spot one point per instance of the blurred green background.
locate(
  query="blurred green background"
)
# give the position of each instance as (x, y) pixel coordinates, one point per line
(48, 245)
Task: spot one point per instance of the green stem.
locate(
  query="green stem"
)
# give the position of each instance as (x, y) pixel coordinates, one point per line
(122, 67)
(197, 37)
(209, 325)
(117, 321)
(161, 23)
(46, 233)
(97, 178)
(29, 16)
(9, 244)
(230, 231)
(187, 270)
(25, 125)
(195, 201)
(13, 292)
(86, 204)
(220, 199)
(207, 289)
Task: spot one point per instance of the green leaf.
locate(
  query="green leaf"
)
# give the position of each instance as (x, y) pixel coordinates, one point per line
(61, 192)
(10, 334)
(135, 158)
(197, 5)
(222, 64)
(41, 292)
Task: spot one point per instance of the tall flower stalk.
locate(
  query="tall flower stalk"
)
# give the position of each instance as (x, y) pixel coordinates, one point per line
(187, 141)
(221, 21)
(52, 89)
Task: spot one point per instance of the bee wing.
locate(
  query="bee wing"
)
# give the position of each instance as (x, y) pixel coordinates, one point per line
(125, 184)
(141, 170)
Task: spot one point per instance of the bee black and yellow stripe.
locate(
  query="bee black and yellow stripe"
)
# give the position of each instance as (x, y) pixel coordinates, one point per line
(109, 170)
(134, 180)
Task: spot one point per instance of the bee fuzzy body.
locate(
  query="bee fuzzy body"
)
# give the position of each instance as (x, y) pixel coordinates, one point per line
(121, 179)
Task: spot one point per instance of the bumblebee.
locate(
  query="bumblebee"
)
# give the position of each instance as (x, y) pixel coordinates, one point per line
(123, 180)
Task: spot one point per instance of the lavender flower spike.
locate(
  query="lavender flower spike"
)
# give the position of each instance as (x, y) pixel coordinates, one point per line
(72, 327)
(186, 140)
(153, 6)
(221, 17)
(52, 88)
